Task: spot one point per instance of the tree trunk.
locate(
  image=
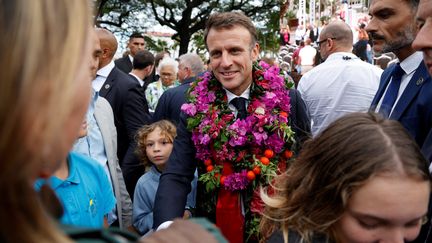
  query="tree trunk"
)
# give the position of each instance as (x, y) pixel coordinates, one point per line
(185, 37)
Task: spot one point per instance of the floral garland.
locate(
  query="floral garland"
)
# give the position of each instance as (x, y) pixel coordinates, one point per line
(256, 147)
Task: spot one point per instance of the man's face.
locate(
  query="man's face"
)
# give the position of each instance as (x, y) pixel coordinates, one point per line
(183, 72)
(392, 26)
(96, 53)
(135, 45)
(231, 57)
(423, 41)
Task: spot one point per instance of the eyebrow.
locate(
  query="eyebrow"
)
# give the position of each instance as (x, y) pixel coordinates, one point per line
(381, 220)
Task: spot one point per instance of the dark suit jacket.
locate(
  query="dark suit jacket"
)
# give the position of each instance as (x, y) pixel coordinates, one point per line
(175, 181)
(414, 112)
(129, 108)
(124, 64)
(169, 104)
(142, 89)
(414, 109)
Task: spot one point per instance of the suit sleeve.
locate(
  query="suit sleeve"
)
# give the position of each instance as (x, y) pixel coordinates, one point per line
(300, 121)
(135, 115)
(175, 182)
(161, 108)
(126, 202)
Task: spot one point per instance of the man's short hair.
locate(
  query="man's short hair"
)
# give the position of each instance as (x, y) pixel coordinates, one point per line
(136, 35)
(192, 61)
(143, 59)
(228, 20)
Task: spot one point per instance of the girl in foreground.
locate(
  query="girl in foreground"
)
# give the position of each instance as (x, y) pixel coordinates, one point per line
(363, 179)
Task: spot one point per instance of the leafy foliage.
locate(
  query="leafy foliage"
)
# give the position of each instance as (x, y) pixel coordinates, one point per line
(186, 17)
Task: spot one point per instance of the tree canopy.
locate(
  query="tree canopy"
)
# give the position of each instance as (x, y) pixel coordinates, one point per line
(186, 17)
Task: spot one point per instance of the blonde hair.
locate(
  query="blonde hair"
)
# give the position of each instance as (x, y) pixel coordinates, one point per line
(313, 193)
(42, 45)
(168, 129)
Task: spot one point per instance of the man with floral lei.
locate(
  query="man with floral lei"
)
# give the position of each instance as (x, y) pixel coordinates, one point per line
(241, 125)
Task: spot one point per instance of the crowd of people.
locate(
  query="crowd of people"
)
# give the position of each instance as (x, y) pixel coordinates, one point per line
(154, 148)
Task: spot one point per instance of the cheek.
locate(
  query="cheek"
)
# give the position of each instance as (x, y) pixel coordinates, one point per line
(81, 99)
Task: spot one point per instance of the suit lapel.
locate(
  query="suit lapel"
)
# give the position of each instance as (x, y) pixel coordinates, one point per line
(385, 79)
(129, 63)
(108, 84)
(410, 92)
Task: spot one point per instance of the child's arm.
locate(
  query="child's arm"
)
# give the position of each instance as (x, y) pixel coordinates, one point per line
(142, 216)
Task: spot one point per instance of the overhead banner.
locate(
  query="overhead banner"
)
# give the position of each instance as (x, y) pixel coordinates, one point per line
(302, 12)
(312, 12)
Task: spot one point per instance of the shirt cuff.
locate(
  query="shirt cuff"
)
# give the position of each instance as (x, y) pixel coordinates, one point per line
(164, 225)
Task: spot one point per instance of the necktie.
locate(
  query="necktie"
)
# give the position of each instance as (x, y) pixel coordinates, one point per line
(240, 104)
(392, 91)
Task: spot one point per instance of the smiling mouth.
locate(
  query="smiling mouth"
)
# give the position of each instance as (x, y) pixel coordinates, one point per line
(228, 73)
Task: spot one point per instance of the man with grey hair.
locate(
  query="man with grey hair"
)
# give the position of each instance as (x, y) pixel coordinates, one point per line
(190, 66)
(340, 85)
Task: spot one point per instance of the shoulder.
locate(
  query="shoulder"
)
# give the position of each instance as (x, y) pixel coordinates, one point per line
(85, 163)
(102, 103)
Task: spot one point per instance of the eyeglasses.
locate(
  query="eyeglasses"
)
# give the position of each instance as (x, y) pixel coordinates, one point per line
(325, 40)
(167, 75)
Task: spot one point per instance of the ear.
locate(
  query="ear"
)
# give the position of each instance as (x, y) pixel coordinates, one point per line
(255, 52)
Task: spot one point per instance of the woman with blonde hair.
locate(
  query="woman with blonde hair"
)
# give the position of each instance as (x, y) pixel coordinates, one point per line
(44, 92)
(363, 179)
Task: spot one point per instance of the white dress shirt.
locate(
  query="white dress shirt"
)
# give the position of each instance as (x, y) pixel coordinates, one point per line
(340, 85)
(101, 76)
(141, 82)
(409, 65)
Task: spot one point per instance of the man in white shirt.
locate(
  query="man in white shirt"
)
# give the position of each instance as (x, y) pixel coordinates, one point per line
(307, 56)
(340, 85)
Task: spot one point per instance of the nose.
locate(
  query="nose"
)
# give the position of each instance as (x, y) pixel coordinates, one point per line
(156, 147)
(395, 235)
(371, 27)
(226, 60)
(422, 39)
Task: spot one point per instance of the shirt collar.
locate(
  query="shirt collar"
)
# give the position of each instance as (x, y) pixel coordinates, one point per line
(341, 55)
(138, 78)
(231, 96)
(411, 63)
(130, 58)
(73, 177)
(105, 71)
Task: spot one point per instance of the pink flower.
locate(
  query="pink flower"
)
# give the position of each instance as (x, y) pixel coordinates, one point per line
(236, 181)
(189, 109)
(260, 137)
(275, 143)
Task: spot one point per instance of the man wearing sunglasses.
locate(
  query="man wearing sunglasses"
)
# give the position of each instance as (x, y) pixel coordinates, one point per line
(340, 85)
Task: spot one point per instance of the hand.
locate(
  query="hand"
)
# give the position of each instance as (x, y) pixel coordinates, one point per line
(187, 214)
(181, 231)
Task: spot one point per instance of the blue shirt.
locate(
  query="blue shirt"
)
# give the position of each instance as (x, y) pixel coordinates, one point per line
(144, 197)
(86, 194)
(93, 146)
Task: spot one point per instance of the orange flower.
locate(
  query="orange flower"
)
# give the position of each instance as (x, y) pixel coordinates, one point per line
(288, 154)
(269, 153)
(250, 175)
(265, 160)
(209, 168)
(256, 170)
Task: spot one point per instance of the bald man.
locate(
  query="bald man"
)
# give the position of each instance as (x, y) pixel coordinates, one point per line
(129, 107)
(340, 85)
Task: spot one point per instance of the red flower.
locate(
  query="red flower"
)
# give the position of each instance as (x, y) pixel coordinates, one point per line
(257, 205)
